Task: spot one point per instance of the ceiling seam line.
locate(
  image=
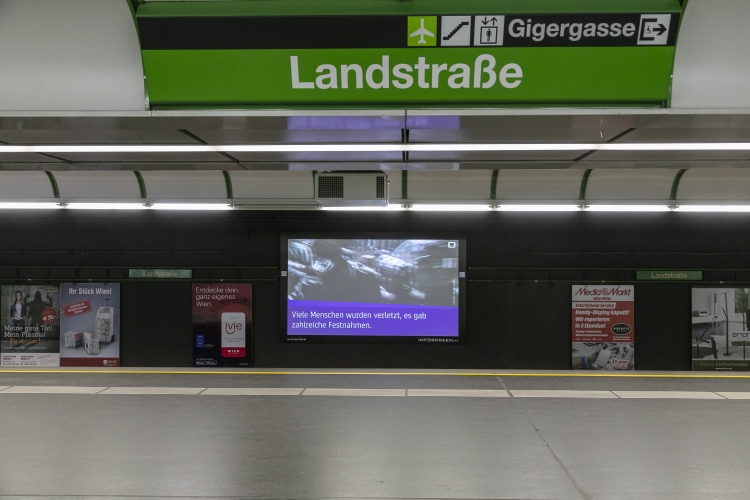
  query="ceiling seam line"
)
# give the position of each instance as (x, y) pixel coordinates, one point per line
(141, 184)
(676, 184)
(198, 139)
(53, 183)
(493, 184)
(584, 185)
(228, 183)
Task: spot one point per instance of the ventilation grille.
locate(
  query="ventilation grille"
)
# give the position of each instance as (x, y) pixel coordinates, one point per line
(380, 188)
(331, 187)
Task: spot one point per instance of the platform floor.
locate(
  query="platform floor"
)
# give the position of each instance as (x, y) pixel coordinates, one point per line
(79, 434)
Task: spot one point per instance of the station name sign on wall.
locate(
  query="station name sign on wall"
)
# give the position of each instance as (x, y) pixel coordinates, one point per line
(489, 58)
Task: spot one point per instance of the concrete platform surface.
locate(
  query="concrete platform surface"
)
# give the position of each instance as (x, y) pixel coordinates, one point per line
(385, 435)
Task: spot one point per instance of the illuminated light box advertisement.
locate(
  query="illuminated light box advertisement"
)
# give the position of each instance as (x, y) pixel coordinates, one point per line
(720, 333)
(222, 321)
(603, 327)
(374, 290)
(90, 324)
(31, 326)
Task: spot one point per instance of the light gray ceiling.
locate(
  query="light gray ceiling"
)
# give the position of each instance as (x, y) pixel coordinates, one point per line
(376, 127)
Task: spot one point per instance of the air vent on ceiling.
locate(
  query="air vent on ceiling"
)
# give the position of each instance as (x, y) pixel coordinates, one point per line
(356, 188)
(331, 187)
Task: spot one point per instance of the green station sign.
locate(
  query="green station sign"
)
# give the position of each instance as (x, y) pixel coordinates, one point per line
(477, 52)
(160, 273)
(669, 275)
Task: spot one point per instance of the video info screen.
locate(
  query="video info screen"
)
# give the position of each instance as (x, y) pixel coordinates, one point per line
(374, 290)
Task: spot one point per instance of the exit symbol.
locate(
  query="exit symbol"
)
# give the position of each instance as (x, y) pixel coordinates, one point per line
(654, 29)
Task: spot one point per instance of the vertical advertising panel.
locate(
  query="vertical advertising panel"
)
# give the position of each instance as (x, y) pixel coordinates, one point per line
(222, 320)
(90, 322)
(720, 335)
(603, 327)
(31, 326)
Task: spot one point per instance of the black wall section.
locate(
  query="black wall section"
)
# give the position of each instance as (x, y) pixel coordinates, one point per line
(512, 321)
(156, 321)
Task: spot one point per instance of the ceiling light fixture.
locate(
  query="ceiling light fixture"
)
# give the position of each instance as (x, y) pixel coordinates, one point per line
(375, 148)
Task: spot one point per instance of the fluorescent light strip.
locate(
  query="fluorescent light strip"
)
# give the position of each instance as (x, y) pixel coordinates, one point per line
(538, 208)
(627, 208)
(190, 206)
(105, 206)
(21, 206)
(713, 208)
(374, 148)
(450, 208)
(390, 208)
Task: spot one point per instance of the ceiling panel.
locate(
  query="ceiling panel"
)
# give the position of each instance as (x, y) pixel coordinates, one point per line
(261, 184)
(143, 157)
(25, 186)
(185, 185)
(514, 135)
(666, 155)
(449, 185)
(316, 156)
(688, 135)
(459, 156)
(630, 184)
(277, 136)
(28, 157)
(487, 118)
(724, 184)
(538, 185)
(159, 136)
(98, 185)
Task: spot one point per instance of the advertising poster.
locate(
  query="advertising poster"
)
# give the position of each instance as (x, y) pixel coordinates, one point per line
(222, 321)
(90, 324)
(31, 326)
(720, 335)
(603, 327)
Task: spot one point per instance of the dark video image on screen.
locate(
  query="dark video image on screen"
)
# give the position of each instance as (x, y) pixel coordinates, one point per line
(373, 288)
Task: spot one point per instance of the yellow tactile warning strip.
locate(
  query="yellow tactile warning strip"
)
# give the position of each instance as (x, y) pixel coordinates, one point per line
(428, 373)
(337, 392)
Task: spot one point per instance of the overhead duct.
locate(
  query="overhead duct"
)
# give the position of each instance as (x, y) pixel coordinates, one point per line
(347, 189)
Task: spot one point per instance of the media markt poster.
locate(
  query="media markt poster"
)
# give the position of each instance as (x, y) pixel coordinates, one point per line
(603, 327)
(222, 321)
(90, 324)
(720, 335)
(31, 326)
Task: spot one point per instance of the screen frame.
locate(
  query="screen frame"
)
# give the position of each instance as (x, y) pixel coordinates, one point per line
(363, 339)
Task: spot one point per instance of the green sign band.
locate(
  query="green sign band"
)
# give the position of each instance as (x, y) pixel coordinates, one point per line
(476, 52)
(566, 75)
(160, 273)
(669, 275)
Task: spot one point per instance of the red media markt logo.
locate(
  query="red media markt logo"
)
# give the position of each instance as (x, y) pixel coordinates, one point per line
(49, 315)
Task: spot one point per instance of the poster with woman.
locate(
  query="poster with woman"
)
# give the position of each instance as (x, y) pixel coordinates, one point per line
(30, 318)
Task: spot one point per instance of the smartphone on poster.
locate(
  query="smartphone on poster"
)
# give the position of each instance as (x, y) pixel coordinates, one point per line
(233, 335)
